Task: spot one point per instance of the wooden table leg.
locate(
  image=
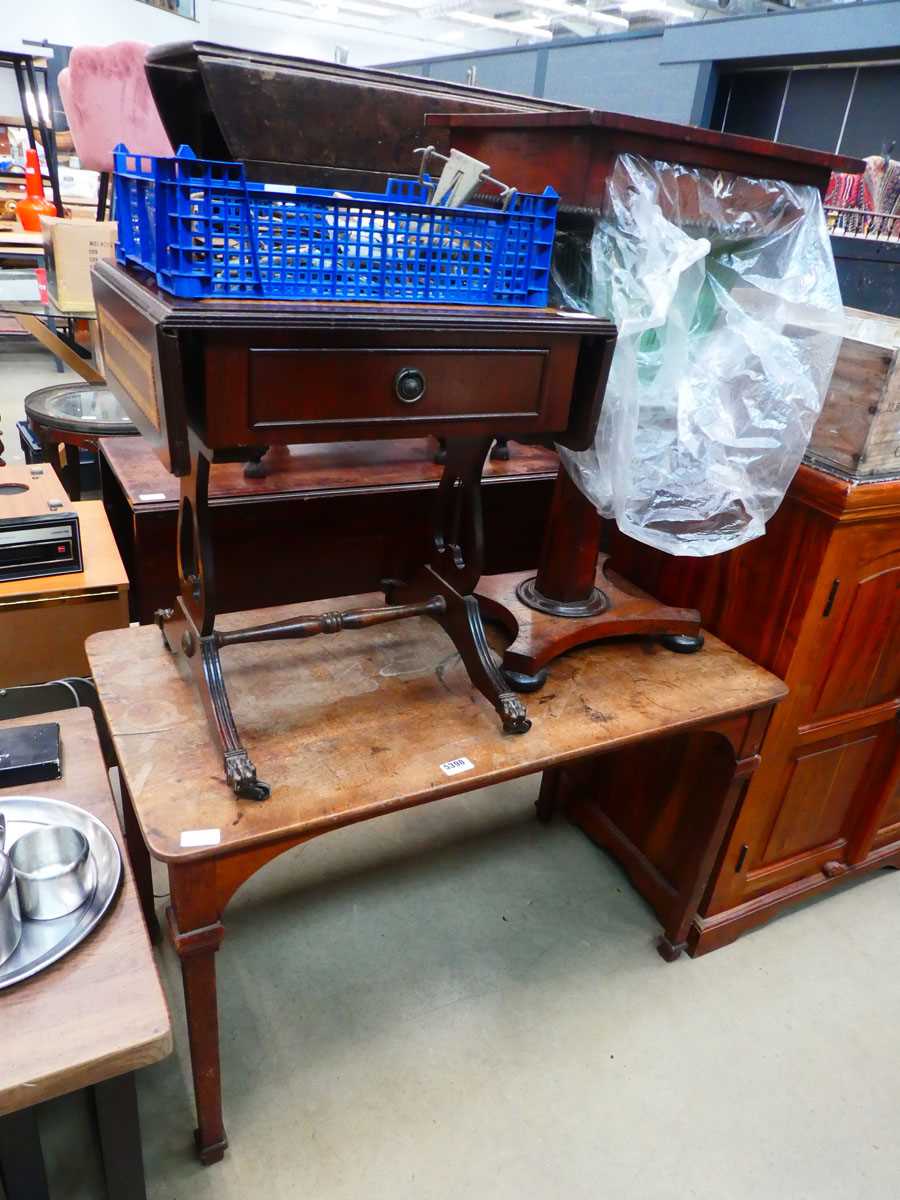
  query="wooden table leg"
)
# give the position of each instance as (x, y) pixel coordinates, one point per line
(197, 933)
(115, 1102)
(54, 343)
(548, 797)
(744, 736)
(139, 856)
(622, 802)
(21, 1159)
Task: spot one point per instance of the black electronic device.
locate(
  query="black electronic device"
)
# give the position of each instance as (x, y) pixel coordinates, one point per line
(45, 544)
(29, 754)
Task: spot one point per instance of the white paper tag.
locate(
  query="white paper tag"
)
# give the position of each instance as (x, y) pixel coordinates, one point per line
(280, 187)
(151, 496)
(201, 837)
(456, 766)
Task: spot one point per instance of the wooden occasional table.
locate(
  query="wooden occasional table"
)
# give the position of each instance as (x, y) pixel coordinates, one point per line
(90, 1020)
(354, 727)
(74, 417)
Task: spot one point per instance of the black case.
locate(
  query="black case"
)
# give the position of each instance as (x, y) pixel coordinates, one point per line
(29, 754)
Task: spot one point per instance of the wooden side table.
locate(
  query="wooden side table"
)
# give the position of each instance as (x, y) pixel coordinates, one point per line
(93, 1018)
(71, 417)
(45, 620)
(355, 727)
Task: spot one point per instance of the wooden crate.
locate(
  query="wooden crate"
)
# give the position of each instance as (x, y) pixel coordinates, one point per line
(858, 432)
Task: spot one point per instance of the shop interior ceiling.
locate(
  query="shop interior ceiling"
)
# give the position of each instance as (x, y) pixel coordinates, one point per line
(466, 24)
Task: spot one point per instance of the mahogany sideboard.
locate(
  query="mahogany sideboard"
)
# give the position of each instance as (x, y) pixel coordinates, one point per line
(363, 507)
(816, 601)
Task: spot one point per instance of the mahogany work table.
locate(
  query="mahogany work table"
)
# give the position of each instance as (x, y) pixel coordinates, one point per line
(356, 728)
(222, 380)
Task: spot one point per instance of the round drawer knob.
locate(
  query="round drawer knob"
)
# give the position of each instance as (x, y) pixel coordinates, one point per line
(409, 385)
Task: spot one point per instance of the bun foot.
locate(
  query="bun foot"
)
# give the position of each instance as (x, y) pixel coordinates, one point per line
(520, 681)
(682, 643)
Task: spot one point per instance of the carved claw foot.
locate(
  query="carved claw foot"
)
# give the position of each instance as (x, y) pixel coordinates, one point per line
(512, 710)
(241, 775)
(160, 617)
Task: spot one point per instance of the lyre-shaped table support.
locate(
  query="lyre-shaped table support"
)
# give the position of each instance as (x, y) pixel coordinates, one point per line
(442, 589)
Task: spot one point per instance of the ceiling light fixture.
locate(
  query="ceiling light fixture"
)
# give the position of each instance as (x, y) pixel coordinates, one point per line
(656, 6)
(526, 28)
(577, 12)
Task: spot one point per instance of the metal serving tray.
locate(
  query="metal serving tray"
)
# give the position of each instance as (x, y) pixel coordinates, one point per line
(44, 942)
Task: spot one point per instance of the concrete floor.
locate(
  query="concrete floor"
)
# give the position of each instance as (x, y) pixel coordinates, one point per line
(457, 1002)
(22, 371)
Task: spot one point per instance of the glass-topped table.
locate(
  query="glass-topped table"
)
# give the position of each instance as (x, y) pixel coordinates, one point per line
(23, 295)
(72, 408)
(71, 417)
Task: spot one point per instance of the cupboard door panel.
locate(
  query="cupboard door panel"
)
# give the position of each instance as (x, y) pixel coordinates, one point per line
(863, 657)
(818, 804)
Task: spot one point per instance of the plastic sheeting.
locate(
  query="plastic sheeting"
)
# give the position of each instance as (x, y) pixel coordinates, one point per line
(725, 295)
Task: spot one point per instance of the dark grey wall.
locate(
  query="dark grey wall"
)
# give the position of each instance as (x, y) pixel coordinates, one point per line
(503, 72)
(624, 75)
(671, 74)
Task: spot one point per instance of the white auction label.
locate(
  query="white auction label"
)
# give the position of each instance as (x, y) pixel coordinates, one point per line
(456, 766)
(201, 837)
(146, 496)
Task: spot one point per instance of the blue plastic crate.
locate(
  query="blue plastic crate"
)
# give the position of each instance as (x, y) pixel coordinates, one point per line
(204, 230)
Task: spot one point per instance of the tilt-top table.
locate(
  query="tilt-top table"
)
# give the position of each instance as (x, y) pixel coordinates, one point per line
(570, 600)
(353, 728)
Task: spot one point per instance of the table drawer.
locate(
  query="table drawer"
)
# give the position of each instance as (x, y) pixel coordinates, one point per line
(344, 385)
(343, 390)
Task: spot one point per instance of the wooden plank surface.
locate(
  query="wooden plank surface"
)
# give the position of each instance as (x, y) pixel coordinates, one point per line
(100, 1011)
(45, 335)
(345, 728)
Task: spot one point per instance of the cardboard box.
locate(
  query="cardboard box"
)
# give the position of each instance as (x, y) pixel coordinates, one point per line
(70, 247)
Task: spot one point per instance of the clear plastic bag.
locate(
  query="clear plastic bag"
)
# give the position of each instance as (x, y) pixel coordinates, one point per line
(725, 295)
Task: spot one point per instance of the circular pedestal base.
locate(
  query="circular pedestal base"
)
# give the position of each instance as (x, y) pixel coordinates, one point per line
(528, 593)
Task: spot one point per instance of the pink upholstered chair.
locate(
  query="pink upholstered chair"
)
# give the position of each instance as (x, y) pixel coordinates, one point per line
(108, 100)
